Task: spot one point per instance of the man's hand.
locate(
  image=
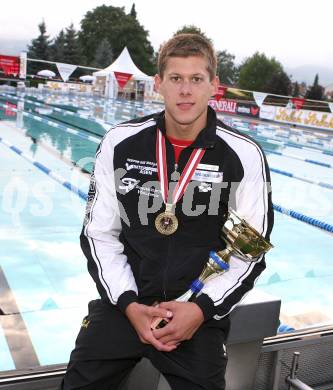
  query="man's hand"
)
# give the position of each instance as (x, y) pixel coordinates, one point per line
(187, 318)
(141, 317)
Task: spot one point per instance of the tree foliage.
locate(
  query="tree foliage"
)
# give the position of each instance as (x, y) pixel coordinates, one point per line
(279, 83)
(58, 48)
(120, 29)
(191, 29)
(316, 91)
(263, 74)
(133, 11)
(73, 51)
(103, 55)
(226, 68)
(296, 90)
(40, 49)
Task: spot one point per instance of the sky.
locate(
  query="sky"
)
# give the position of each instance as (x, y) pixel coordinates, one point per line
(295, 32)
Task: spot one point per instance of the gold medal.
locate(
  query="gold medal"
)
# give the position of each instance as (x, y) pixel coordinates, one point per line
(166, 223)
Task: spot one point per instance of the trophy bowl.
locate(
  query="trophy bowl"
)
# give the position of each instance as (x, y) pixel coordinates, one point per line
(243, 238)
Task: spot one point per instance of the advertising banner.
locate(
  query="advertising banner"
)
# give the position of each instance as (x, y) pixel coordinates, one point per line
(23, 65)
(122, 78)
(297, 102)
(10, 65)
(220, 92)
(224, 105)
(267, 112)
(317, 119)
(65, 70)
(248, 109)
(8, 111)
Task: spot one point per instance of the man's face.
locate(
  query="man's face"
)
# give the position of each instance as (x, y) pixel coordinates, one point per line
(186, 88)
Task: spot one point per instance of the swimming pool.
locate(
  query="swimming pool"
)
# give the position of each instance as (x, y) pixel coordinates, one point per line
(43, 272)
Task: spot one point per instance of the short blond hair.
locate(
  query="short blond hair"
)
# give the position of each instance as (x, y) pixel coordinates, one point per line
(187, 45)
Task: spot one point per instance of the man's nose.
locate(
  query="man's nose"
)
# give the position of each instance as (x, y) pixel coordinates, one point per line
(186, 87)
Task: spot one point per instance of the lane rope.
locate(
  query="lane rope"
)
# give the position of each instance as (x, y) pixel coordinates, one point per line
(83, 195)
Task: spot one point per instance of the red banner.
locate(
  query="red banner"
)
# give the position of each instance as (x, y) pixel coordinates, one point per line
(122, 78)
(298, 102)
(224, 105)
(220, 92)
(10, 65)
(8, 111)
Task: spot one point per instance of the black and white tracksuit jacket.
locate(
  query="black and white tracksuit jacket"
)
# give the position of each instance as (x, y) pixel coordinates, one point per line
(129, 259)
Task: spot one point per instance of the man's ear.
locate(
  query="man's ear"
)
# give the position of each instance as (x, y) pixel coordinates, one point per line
(157, 82)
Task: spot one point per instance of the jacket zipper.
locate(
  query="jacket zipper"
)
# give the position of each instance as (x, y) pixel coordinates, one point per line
(170, 238)
(167, 262)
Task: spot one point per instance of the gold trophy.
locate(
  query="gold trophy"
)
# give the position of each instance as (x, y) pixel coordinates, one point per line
(241, 239)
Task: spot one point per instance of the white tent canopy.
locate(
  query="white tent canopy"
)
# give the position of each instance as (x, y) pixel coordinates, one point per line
(124, 64)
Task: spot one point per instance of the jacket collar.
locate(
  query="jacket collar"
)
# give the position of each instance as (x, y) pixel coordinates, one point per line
(206, 138)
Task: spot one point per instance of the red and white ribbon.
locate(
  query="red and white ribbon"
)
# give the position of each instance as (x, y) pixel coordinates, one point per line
(186, 175)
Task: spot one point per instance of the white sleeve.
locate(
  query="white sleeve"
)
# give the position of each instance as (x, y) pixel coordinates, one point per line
(100, 242)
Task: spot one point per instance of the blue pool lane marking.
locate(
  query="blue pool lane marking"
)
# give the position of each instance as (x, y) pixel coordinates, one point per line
(57, 109)
(56, 125)
(83, 135)
(306, 180)
(65, 112)
(291, 213)
(307, 160)
(304, 218)
(47, 171)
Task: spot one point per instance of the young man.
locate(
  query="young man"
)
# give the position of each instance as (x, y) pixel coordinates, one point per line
(146, 243)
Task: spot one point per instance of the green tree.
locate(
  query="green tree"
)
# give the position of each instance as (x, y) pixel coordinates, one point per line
(191, 29)
(226, 68)
(58, 47)
(40, 49)
(279, 83)
(120, 29)
(296, 91)
(133, 11)
(103, 55)
(73, 51)
(256, 73)
(316, 91)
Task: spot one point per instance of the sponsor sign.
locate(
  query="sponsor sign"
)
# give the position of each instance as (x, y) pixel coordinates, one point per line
(10, 65)
(221, 90)
(23, 65)
(224, 105)
(65, 70)
(207, 176)
(317, 119)
(267, 112)
(8, 111)
(247, 109)
(297, 102)
(122, 78)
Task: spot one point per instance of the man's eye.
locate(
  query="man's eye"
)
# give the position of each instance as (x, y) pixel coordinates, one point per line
(196, 79)
(175, 79)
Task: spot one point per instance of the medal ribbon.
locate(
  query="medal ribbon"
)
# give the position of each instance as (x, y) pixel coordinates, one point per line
(186, 175)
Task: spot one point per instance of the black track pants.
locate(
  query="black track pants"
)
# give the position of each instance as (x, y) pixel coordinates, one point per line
(107, 348)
